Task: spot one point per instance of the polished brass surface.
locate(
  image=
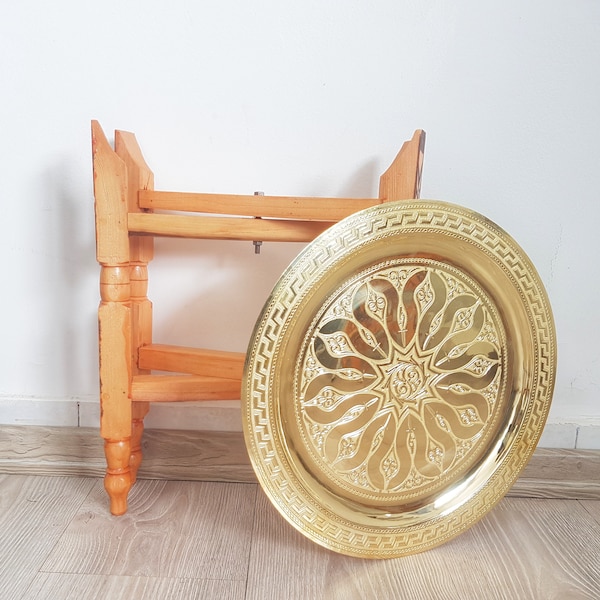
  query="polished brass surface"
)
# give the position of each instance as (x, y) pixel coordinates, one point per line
(399, 381)
(398, 378)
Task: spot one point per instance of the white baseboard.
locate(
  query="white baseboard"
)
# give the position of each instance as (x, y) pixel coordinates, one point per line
(51, 412)
(224, 416)
(221, 415)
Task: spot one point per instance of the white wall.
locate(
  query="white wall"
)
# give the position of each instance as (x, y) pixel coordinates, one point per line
(298, 98)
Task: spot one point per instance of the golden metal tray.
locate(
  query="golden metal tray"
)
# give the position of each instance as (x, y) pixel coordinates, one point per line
(398, 378)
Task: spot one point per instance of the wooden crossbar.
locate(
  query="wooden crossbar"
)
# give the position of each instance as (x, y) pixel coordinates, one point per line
(277, 207)
(225, 228)
(195, 361)
(183, 388)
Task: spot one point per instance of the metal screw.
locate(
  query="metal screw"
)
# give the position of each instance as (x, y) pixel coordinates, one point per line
(256, 243)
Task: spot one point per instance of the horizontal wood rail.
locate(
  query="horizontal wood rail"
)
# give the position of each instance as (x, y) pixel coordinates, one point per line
(277, 207)
(194, 361)
(183, 388)
(225, 228)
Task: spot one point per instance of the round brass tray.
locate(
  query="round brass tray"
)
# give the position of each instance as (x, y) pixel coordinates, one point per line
(398, 378)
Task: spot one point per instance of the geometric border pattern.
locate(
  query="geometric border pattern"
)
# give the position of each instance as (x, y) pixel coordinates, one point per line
(265, 439)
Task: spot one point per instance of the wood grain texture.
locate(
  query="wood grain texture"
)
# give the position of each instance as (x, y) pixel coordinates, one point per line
(180, 455)
(196, 361)
(60, 451)
(196, 456)
(279, 207)
(560, 473)
(34, 512)
(183, 388)
(534, 549)
(172, 529)
(225, 228)
(402, 179)
(68, 586)
(593, 507)
(212, 540)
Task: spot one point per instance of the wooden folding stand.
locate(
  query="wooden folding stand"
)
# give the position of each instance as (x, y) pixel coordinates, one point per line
(129, 214)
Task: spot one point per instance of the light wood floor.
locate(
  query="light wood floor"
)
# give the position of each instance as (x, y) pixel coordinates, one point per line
(189, 540)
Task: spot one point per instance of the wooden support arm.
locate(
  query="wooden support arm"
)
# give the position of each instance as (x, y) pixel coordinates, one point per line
(275, 207)
(183, 388)
(402, 180)
(225, 228)
(195, 361)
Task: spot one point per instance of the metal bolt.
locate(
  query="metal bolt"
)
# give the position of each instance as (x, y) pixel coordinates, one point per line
(256, 243)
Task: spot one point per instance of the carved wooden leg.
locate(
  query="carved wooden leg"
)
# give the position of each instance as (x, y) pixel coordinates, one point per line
(141, 327)
(114, 316)
(116, 409)
(141, 251)
(117, 480)
(140, 409)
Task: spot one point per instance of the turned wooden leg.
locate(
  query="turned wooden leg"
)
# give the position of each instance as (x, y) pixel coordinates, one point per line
(137, 431)
(117, 480)
(135, 458)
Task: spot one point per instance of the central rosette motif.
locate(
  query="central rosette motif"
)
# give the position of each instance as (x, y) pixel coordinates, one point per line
(407, 383)
(399, 376)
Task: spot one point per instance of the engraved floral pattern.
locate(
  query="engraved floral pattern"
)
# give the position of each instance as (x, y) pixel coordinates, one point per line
(400, 376)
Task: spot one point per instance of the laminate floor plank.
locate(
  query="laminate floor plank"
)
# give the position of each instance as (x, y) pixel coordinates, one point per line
(69, 586)
(172, 529)
(34, 513)
(546, 549)
(185, 540)
(534, 549)
(593, 507)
